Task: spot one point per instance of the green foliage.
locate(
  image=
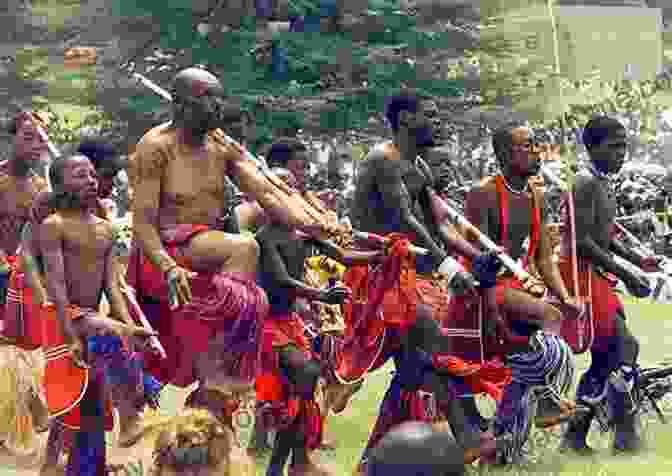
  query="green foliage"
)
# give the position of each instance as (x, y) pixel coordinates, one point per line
(309, 56)
(63, 130)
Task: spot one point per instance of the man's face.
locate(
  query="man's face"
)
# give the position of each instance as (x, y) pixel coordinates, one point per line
(28, 145)
(80, 179)
(525, 154)
(609, 156)
(203, 112)
(337, 169)
(417, 124)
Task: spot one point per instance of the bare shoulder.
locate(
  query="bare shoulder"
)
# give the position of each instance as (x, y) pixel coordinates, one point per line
(52, 225)
(484, 187)
(150, 157)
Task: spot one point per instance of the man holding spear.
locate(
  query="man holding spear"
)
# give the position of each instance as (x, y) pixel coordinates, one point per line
(178, 172)
(508, 211)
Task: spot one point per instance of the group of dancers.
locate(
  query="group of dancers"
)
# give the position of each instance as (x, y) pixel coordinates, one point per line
(461, 305)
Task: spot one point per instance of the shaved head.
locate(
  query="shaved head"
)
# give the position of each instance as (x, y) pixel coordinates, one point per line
(196, 82)
(416, 448)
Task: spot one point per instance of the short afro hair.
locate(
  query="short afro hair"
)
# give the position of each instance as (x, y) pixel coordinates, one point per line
(598, 129)
(281, 151)
(101, 154)
(394, 105)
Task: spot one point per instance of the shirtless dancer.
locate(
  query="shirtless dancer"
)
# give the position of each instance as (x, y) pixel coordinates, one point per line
(77, 256)
(178, 174)
(391, 197)
(19, 187)
(506, 209)
(615, 350)
(288, 349)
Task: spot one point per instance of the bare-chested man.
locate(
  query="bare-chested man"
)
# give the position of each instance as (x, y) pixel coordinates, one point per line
(178, 175)
(392, 196)
(615, 350)
(19, 187)
(77, 258)
(508, 210)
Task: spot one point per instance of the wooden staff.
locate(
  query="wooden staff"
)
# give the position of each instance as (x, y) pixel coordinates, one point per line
(456, 217)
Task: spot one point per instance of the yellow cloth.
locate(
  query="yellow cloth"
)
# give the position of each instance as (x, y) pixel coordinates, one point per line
(326, 268)
(318, 271)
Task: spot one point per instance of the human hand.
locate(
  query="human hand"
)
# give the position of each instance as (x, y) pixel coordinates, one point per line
(179, 290)
(650, 264)
(75, 345)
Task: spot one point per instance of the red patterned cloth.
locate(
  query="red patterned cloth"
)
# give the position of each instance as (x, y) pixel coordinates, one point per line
(22, 324)
(604, 305)
(217, 334)
(64, 383)
(383, 302)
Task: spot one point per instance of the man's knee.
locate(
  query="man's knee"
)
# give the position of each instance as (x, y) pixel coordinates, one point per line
(249, 247)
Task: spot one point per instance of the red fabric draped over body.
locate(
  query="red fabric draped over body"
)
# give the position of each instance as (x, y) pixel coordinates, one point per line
(21, 318)
(65, 383)
(219, 332)
(604, 305)
(282, 330)
(474, 358)
(383, 300)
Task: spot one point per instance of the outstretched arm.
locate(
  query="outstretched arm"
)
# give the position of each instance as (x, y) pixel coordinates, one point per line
(389, 181)
(348, 257)
(629, 254)
(274, 196)
(273, 264)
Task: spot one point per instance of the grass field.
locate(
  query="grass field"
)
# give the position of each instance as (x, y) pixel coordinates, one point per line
(350, 430)
(648, 322)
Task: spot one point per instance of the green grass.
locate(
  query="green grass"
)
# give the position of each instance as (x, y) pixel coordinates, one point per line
(647, 321)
